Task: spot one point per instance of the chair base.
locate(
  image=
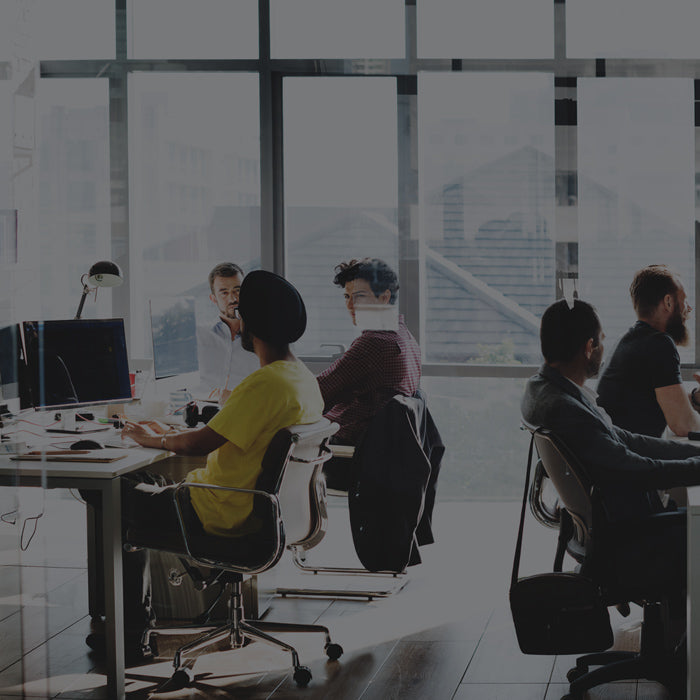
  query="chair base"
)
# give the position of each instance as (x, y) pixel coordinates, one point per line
(395, 581)
(239, 632)
(654, 662)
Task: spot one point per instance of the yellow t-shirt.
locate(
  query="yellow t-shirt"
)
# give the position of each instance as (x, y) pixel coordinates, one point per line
(276, 396)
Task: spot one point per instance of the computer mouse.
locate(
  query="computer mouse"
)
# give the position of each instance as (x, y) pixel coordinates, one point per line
(86, 445)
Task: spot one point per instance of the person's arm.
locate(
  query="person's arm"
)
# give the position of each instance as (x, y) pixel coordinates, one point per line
(189, 442)
(679, 414)
(338, 380)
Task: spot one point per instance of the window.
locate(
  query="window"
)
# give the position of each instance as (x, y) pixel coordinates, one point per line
(190, 218)
(340, 190)
(337, 29)
(72, 198)
(636, 189)
(485, 29)
(68, 29)
(487, 204)
(183, 29)
(630, 29)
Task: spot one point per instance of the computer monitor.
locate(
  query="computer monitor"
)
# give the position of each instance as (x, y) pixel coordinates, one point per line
(76, 363)
(10, 353)
(174, 334)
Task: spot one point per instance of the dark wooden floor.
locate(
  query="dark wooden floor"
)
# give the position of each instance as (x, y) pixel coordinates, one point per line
(447, 635)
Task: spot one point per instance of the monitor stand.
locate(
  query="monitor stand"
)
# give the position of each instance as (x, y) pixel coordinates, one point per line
(68, 425)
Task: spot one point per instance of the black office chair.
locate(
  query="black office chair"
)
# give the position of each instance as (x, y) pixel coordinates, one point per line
(391, 494)
(288, 493)
(601, 548)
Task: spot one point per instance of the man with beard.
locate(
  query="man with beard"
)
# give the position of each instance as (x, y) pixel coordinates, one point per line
(223, 362)
(641, 388)
(282, 392)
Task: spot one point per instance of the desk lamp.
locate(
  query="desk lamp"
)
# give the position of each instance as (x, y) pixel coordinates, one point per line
(104, 273)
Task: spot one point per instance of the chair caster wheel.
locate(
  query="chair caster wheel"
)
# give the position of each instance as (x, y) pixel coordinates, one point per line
(334, 651)
(302, 676)
(182, 678)
(576, 672)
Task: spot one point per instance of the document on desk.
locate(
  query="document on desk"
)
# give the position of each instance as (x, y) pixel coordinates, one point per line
(95, 456)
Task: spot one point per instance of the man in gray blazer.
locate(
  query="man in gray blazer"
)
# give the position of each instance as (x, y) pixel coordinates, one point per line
(628, 468)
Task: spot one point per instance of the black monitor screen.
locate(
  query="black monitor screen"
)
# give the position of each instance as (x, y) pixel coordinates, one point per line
(9, 361)
(75, 363)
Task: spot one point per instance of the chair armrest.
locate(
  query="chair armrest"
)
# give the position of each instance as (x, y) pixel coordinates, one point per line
(344, 451)
(274, 502)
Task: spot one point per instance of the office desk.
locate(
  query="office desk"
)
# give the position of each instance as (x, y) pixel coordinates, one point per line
(103, 477)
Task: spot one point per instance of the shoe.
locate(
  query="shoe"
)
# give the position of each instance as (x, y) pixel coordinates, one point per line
(134, 652)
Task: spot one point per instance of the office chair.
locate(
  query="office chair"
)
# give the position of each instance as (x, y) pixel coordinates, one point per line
(594, 544)
(288, 493)
(390, 495)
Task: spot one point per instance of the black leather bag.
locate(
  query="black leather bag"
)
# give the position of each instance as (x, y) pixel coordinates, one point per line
(559, 612)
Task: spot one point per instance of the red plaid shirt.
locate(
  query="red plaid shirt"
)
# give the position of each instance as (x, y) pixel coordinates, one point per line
(377, 366)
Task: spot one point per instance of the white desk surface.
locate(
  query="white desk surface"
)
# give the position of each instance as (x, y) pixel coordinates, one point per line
(134, 458)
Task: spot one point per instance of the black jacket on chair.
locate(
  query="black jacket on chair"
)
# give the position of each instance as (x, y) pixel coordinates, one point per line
(392, 496)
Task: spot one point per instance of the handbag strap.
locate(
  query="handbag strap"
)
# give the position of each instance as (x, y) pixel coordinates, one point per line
(518, 546)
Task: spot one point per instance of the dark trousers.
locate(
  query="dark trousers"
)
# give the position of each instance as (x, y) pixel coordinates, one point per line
(147, 505)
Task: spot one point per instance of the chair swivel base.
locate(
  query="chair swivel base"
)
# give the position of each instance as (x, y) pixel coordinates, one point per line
(652, 662)
(239, 632)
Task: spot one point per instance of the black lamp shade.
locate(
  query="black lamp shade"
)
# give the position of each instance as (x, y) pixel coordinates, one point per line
(105, 273)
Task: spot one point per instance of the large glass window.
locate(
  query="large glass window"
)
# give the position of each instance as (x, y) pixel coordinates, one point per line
(340, 190)
(69, 29)
(487, 201)
(478, 419)
(202, 29)
(72, 201)
(195, 186)
(636, 194)
(485, 29)
(630, 29)
(337, 29)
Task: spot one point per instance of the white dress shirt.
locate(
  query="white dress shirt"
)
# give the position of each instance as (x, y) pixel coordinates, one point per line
(223, 362)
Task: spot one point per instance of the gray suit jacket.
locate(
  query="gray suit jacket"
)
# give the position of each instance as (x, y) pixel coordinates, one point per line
(627, 467)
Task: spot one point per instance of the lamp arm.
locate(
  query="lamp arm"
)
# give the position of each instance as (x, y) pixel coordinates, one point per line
(86, 291)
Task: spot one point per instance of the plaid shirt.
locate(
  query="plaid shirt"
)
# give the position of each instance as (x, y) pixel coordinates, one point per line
(377, 366)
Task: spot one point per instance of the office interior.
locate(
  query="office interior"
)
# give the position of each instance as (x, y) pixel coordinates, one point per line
(499, 154)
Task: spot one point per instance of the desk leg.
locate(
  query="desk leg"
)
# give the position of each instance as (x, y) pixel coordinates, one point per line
(693, 602)
(114, 613)
(94, 594)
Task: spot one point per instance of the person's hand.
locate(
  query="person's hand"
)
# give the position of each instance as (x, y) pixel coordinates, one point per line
(136, 432)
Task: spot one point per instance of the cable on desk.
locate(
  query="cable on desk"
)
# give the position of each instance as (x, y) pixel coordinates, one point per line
(5, 517)
(35, 518)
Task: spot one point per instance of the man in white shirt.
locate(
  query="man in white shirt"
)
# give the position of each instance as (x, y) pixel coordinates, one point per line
(223, 362)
